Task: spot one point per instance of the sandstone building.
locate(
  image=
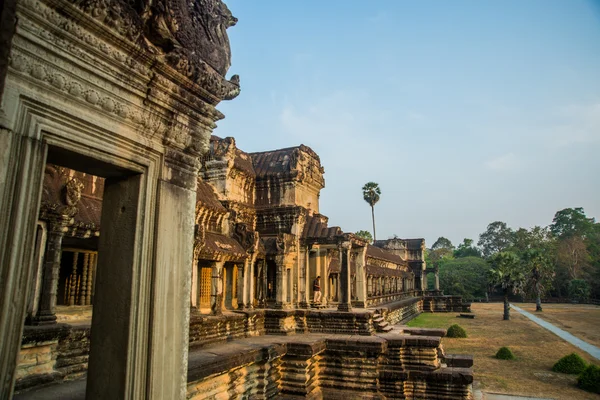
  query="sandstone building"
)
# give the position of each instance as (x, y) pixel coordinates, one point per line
(117, 197)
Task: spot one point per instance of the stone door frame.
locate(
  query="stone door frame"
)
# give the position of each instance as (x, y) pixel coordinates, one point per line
(128, 327)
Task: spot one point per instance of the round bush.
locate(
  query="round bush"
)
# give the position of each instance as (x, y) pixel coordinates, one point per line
(571, 364)
(505, 354)
(456, 331)
(590, 379)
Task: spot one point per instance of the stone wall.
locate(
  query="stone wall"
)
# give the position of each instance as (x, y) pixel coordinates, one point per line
(289, 322)
(51, 354)
(402, 311)
(207, 329)
(60, 352)
(445, 304)
(376, 367)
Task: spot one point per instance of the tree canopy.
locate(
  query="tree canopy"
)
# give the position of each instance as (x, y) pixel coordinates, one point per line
(371, 193)
(497, 237)
(365, 235)
(570, 222)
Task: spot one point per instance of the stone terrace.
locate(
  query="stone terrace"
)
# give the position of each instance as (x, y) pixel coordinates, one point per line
(408, 365)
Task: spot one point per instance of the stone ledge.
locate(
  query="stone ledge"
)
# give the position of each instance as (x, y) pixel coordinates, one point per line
(425, 331)
(459, 360)
(45, 333)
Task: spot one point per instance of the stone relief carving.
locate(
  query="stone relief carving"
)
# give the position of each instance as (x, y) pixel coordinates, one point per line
(72, 192)
(245, 237)
(190, 36)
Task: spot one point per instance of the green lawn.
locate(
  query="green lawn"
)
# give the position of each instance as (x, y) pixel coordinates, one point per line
(432, 320)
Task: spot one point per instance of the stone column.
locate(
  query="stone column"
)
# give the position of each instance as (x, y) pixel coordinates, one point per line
(88, 293)
(195, 280)
(47, 304)
(216, 288)
(249, 282)
(281, 292)
(306, 279)
(325, 277)
(361, 277)
(338, 285)
(319, 270)
(344, 302)
(240, 288)
(73, 279)
(437, 280)
(83, 290)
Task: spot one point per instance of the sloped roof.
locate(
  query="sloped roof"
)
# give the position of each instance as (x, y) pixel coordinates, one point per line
(216, 244)
(207, 196)
(376, 252)
(242, 160)
(382, 271)
(277, 162)
(315, 227)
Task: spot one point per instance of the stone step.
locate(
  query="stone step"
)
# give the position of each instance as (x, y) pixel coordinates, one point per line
(378, 320)
(385, 329)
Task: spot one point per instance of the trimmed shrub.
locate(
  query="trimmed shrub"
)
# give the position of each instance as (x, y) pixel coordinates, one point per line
(505, 354)
(590, 379)
(571, 364)
(456, 331)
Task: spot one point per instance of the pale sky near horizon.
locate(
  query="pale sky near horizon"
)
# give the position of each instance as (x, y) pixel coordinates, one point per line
(464, 112)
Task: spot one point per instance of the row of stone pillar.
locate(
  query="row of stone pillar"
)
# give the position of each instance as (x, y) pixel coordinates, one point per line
(379, 285)
(237, 287)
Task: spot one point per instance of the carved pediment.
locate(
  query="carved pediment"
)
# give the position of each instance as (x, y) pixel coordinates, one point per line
(188, 35)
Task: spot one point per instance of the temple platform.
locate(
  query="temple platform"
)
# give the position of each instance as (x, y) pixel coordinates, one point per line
(316, 366)
(60, 352)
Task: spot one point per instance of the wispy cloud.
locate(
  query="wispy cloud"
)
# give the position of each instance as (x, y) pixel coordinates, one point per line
(505, 162)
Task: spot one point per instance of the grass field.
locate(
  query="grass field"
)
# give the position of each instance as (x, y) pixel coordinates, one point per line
(536, 350)
(581, 320)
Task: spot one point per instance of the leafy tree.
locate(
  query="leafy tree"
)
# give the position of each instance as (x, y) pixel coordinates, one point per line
(442, 249)
(442, 243)
(570, 222)
(365, 235)
(507, 274)
(593, 248)
(540, 274)
(465, 276)
(466, 249)
(579, 290)
(536, 238)
(371, 193)
(497, 237)
(572, 255)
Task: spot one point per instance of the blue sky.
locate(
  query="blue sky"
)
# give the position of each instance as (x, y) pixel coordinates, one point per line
(464, 112)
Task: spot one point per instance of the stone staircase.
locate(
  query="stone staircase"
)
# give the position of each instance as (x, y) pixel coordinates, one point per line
(380, 324)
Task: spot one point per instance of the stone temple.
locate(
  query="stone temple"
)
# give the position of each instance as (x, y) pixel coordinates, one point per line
(144, 257)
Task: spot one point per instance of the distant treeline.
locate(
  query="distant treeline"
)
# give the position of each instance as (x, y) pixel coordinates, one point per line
(560, 261)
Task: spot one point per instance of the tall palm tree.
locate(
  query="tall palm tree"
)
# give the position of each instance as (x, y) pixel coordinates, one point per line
(371, 194)
(507, 274)
(541, 274)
